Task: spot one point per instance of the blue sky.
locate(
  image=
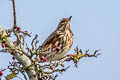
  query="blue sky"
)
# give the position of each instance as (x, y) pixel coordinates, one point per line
(95, 24)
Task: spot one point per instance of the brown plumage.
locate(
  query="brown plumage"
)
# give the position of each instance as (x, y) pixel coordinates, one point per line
(59, 42)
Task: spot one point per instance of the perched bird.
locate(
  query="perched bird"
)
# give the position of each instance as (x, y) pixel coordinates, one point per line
(59, 42)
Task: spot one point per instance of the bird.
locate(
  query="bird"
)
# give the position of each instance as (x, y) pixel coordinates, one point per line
(58, 42)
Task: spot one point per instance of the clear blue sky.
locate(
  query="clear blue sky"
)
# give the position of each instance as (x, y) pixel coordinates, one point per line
(95, 24)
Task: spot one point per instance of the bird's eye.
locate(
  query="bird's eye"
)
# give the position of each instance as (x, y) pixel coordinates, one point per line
(62, 22)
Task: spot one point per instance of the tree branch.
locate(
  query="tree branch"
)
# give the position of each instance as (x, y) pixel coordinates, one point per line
(23, 59)
(14, 14)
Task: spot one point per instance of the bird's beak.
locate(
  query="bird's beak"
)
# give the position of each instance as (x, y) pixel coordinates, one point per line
(70, 17)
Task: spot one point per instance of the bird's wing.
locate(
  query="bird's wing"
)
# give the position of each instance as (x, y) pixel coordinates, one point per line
(50, 39)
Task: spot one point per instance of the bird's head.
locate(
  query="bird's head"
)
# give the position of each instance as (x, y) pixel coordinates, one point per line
(64, 23)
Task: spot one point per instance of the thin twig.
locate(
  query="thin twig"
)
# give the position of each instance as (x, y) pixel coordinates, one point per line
(24, 75)
(32, 43)
(14, 14)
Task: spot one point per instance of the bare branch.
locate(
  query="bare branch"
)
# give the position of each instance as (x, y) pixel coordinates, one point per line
(14, 14)
(33, 42)
(24, 75)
